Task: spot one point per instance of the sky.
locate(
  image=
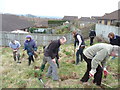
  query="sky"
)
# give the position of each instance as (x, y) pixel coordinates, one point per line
(80, 8)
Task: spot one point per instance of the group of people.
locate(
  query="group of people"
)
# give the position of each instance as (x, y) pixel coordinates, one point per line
(95, 56)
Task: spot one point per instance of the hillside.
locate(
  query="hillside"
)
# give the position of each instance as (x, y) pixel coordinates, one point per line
(16, 75)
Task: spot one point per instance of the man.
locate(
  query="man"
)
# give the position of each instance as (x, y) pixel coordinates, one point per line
(15, 45)
(79, 45)
(96, 57)
(114, 39)
(50, 54)
(31, 47)
(92, 35)
(44, 62)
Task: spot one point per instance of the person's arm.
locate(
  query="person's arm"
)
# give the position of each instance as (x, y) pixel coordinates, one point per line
(35, 46)
(99, 57)
(80, 41)
(18, 45)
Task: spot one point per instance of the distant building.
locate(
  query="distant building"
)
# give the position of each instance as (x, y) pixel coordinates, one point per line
(70, 18)
(110, 18)
(13, 22)
(87, 20)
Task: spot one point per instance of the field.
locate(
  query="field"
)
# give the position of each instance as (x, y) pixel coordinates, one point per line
(15, 75)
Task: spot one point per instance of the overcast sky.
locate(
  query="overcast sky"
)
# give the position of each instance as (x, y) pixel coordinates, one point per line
(59, 7)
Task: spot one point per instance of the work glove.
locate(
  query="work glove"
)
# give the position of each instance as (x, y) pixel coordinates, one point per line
(105, 72)
(91, 73)
(54, 60)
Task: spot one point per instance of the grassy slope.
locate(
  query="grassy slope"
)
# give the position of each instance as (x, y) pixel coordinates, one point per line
(22, 76)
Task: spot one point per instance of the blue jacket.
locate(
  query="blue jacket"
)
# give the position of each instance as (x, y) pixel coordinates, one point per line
(30, 46)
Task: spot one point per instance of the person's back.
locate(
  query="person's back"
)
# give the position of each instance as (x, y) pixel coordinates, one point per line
(92, 33)
(115, 40)
(91, 51)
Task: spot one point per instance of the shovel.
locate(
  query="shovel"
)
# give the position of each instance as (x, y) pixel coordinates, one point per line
(40, 79)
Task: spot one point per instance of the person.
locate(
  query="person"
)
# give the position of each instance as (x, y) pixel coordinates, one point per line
(114, 39)
(31, 48)
(50, 54)
(96, 57)
(44, 62)
(15, 45)
(79, 45)
(92, 35)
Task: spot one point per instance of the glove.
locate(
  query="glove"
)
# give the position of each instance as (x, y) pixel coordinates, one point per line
(105, 72)
(58, 60)
(91, 73)
(54, 60)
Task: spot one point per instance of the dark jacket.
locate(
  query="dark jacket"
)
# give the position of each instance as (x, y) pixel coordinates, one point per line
(30, 46)
(115, 40)
(53, 49)
(92, 33)
(77, 41)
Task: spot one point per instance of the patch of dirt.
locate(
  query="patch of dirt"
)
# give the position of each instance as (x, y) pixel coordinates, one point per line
(71, 61)
(73, 75)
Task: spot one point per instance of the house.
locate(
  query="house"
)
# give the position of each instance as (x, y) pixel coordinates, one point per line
(13, 22)
(70, 18)
(87, 20)
(110, 18)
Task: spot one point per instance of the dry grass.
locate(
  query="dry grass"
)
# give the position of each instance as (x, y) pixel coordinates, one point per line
(16, 75)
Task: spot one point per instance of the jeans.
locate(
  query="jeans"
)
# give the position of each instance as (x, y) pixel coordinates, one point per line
(79, 53)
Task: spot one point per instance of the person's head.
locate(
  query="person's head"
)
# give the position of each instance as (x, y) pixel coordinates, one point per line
(111, 35)
(13, 41)
(74, 33)
(28, 37)
(115, 51)
(62, 40)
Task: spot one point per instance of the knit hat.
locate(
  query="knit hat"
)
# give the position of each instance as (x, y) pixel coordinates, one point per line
(28, 36)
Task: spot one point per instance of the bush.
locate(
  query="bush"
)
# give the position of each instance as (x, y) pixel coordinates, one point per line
(32, 29)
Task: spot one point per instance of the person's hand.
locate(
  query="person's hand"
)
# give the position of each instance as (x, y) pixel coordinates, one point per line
(14, 50)
(54, 60)
(105, 72)
(58, 60)
(91, 73)
(77, 48)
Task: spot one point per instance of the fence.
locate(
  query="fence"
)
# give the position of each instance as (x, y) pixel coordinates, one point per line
(104, 30)
(41, 39)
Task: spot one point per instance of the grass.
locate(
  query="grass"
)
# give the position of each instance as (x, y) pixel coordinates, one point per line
(16, 75)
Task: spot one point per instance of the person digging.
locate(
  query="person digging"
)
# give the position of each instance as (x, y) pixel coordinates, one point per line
(15, 45)
(30, 47)
(45, 62)
(49, 56)
(96, 57)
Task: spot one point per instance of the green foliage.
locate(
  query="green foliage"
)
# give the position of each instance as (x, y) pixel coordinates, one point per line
(32, 29)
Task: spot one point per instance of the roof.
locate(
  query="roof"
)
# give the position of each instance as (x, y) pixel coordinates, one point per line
(112, 16)
(13, 22)
(87, 19)
(70, 18)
